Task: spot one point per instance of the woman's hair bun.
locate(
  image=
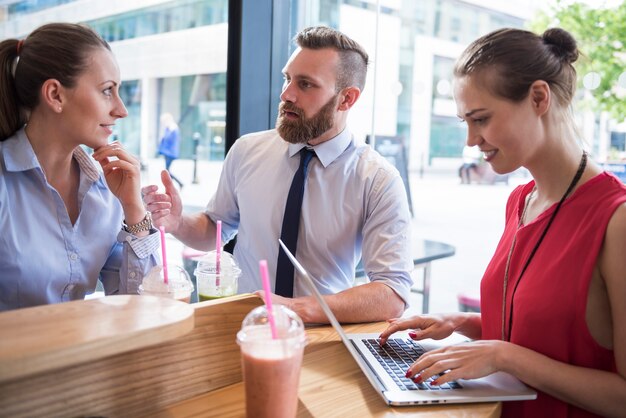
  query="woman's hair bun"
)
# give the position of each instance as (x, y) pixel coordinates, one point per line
(562, 44)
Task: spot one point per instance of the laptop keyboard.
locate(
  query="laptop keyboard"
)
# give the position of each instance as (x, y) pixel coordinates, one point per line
(397, 356)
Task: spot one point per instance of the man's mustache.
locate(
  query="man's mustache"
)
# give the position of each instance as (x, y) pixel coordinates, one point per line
(290, 107)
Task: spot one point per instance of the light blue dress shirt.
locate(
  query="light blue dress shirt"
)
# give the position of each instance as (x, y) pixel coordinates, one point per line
(354, 203)
(43, 257)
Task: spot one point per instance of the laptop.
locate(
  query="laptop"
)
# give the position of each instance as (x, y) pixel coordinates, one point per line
(386, 366)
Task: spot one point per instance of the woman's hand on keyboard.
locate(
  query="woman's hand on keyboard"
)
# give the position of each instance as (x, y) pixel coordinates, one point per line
(462, 361)
(436, 327)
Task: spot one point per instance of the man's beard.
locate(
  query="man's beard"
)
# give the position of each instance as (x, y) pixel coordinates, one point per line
(303, 129)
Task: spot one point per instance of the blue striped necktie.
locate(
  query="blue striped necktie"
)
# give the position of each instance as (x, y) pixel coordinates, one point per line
(291, 224)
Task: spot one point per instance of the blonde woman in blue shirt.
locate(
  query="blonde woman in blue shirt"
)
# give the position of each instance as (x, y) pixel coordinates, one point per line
(65, 223)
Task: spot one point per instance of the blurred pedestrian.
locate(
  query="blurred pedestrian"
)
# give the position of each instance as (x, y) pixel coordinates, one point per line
(169, 146)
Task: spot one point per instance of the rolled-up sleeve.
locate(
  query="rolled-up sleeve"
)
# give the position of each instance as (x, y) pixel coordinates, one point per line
(387, 235)
(129, 261)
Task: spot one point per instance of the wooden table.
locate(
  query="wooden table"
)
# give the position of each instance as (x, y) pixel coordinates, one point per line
(331, 385)
(142, 356)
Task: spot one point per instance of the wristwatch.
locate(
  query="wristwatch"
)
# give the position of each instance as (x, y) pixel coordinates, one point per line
(144, 225)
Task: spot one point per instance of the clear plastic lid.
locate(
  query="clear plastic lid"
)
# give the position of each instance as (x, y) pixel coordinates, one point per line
(178, 280)
(256, 325)
(207, 264)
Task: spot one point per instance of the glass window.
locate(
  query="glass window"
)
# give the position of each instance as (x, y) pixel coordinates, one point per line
(202, 119)
(172, 57)
(128, 130)
(414, 45)
(166, 17)
(28, 6)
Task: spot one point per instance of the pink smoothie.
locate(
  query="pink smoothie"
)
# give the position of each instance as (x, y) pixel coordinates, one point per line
(271, 383)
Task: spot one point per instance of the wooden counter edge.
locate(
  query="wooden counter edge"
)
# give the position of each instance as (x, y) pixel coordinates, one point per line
(142, 381)
(93, 329)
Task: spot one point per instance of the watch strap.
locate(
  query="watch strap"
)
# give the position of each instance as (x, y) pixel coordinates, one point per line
(144, 225)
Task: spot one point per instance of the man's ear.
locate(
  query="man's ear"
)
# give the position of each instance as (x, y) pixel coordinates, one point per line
(349, 96)
(53, 95)
(540, 96)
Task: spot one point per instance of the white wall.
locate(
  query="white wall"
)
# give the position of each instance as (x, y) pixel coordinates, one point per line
(201, 50)
(522, 9)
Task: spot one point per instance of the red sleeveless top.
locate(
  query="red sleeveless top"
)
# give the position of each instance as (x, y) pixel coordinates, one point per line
(551, 298)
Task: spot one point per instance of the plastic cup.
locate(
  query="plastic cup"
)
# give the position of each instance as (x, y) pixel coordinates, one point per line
(212, 285)
(179, 285)
(271, 367)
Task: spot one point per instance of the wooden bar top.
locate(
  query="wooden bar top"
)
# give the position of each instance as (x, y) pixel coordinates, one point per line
(141, 356)
(119, 356)
(331, 385)
(44, 338)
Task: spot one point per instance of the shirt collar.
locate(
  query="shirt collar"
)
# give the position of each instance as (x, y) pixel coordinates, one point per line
(327, 151)
(19, 156)
(18, 153)
(86, 164)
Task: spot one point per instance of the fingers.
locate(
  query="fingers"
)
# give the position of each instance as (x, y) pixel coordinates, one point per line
(396, 325)
(158, 214)
(276, 299)
(113, 157)
(112, 152)
(158, 203)
(159, 206)
(428, 365)
(109, 166)
(419, 334)
(146, 190)
(166, 208)
(436, 327)
(462, 361)
(440, 373)
(168, 183)
(151, 195)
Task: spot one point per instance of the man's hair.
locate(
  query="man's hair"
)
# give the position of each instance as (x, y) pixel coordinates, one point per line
(353, 59)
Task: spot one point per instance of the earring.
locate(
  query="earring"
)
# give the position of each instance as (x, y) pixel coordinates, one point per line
(59, 109)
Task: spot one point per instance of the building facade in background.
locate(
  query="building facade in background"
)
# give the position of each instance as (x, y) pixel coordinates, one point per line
(173, 59)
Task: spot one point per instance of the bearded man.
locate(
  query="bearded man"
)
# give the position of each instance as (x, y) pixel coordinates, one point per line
(351, 202)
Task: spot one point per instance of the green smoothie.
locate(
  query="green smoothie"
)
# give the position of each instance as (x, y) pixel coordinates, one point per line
(202, 297)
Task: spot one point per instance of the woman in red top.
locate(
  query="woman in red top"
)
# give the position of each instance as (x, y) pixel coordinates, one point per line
(553, 297)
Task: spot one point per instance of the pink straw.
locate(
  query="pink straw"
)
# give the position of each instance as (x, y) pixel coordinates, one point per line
(163, 255)
(265, 278)
(218, 249)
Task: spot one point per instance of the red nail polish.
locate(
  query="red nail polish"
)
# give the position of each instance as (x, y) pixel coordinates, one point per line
(417, 379)
(434, 383)
(408, 374)
(412, 334)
